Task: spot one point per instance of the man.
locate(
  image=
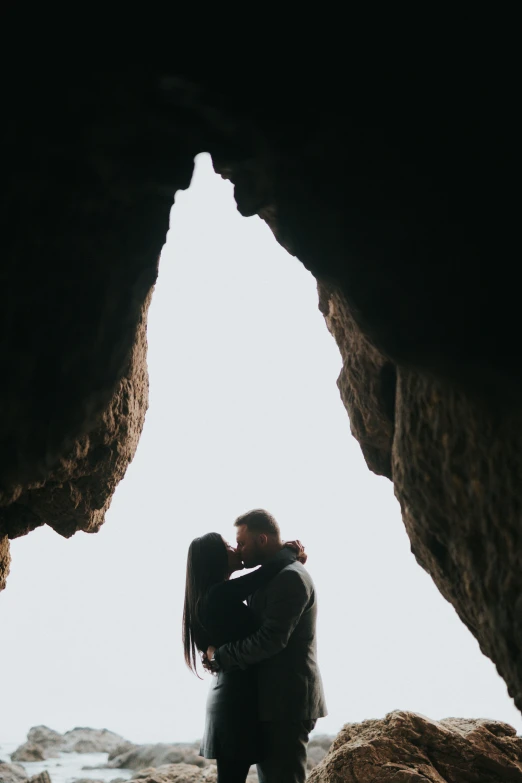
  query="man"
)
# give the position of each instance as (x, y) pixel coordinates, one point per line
(284, 649)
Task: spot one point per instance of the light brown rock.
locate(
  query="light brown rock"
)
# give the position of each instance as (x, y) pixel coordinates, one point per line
(44, 736)
(411, 222)
(366, 382)
(456, 469)
(29, 751)
(42, 777)
(76, 494)
(12, 773)
(408, 748)
(5, 560)
(179, 773)
(87, 740)
(158, 755)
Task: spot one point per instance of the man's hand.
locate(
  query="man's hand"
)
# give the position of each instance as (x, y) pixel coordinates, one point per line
(299, 549)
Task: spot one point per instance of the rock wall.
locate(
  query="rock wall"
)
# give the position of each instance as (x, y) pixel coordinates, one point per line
(393, 187)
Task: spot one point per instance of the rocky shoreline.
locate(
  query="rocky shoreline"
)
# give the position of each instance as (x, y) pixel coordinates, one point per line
(149, 763)
(402, 747)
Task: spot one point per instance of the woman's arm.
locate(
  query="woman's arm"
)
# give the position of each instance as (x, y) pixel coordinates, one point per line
(243, 586)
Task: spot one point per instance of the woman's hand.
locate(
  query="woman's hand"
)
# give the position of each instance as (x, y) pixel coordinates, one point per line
(299, 549)
(206, 660)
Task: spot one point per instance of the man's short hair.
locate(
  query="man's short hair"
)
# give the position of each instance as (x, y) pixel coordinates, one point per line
(259, 521)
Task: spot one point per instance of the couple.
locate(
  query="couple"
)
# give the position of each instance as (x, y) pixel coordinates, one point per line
(268, 693)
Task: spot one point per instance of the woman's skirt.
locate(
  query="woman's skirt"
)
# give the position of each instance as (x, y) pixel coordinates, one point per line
(232, 725)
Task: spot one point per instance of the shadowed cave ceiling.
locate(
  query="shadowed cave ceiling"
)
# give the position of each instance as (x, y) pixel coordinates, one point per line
(395, 194)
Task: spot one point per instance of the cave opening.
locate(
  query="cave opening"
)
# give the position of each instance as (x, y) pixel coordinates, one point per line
(244, 412)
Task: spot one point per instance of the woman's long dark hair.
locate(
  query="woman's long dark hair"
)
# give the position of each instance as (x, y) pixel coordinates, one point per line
(207, 565)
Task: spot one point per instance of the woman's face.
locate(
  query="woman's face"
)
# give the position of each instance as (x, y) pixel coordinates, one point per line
(234, 558)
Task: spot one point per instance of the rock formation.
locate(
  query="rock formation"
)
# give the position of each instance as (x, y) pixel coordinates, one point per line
(179, 773)
(45, 737)
(393, 187)
(43, 742)
(29, 751)
(15, 773)
(152, 756)
(5, 560)
(409, 748)
(12, 773)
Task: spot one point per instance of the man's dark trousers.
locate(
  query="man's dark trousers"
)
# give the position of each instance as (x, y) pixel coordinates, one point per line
(284, 744)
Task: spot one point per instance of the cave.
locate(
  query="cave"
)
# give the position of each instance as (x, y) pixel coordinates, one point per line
(410, 236)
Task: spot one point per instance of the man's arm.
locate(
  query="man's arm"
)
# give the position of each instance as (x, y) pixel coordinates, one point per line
(243, 586)
(287, 599)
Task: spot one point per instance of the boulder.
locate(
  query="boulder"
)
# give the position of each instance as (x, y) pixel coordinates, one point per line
(43, 742)
(118, 750)
(405, 747)
(5, 560)
(179, 773)
(29, 751)
(143, 757)
(85, 740)
(188, 773)
(12, 773)
(44, 736)
(44, 777)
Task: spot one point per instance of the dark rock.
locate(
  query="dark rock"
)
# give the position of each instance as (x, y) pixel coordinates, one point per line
(393, 187)
(153, 756)
(456, 468)
(44, 742)
(408, 748)
(29, 751)
(366, 383)
(12, 773)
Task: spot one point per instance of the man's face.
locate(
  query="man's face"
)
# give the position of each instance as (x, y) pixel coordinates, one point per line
(249, 546)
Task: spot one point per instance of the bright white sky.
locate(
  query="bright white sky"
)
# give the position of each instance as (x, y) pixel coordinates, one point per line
(244, 412)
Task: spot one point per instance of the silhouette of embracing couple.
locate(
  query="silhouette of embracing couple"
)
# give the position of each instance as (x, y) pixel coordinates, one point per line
(267, 693)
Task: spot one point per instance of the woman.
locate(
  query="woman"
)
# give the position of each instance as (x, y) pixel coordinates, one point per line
(214, 614)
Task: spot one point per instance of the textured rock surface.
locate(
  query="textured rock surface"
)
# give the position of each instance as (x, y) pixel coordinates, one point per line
(144, 756)
(29, 751)
(12, 773)
(178, 773)
(393, 187)
(43, 742)
(409, 748)
(42, 777)
(185, 773)
(5, 560)
(118, 750)
(456, 468)
(44, 736)
(77, 492)
(86, 740)
(367, 383)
